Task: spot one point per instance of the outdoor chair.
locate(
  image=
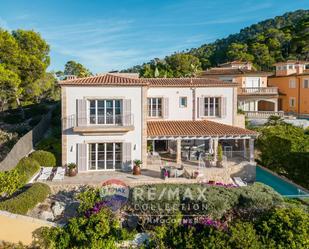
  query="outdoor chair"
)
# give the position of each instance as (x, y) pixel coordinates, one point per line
(239, 182)
(59, 175)
(45, 173)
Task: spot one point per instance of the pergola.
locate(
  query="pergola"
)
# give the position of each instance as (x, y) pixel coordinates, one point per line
(200, 130)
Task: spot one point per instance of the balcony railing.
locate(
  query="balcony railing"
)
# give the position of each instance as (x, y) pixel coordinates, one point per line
(258, 90)
(99, 122)
(263, 114)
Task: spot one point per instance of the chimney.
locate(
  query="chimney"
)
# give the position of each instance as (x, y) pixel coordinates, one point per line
(71, 77)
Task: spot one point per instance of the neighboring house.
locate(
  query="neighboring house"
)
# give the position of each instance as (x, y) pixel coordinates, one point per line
(109, 120)
(292, 79)
(255, 97)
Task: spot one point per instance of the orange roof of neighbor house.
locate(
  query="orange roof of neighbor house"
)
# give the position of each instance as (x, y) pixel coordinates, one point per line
(188, 128)
(105, 79)
(232, 71)
(113, 79)
(187, 82)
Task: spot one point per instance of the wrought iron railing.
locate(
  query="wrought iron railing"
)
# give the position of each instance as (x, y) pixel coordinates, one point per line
(101, 120)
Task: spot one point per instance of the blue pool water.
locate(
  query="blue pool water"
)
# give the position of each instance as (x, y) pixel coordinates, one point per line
(281, 186)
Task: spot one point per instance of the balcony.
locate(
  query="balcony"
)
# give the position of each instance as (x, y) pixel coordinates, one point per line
(258, 91)
(100, 124)
(263, 114)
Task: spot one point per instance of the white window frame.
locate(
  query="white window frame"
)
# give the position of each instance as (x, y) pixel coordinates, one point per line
(292, 83)
(181, 105)
(306, 83)
(292, 102)
(104, 115)
(153, 109)
(213, 113)
(105, 156)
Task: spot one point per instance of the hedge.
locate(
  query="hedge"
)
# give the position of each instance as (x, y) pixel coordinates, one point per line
(27, 167)
(218, 199)
(27, 200)
(44, 158)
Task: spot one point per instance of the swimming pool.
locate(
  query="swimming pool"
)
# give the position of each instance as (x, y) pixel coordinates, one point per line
(282, 186)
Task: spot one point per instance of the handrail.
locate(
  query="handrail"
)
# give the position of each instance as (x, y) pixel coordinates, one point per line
(259, 90)
(263, 114)
(101, 120)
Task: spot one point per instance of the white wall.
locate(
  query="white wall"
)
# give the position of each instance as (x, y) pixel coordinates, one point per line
(135, 136)
(173, 94)
(178, 113)
(226, 92)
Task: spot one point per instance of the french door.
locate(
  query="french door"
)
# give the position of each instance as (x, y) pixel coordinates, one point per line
(104, 156)
(105, 111)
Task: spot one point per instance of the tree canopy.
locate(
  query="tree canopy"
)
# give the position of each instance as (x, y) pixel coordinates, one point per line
(276, 39)
(77, 69)
(24, 58)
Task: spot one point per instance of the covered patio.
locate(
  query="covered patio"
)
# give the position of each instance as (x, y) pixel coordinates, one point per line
(195, 144)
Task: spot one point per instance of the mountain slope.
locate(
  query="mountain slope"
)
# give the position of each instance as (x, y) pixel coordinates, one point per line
(277, 39)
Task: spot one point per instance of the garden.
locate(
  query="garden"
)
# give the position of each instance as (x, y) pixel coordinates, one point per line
(284, 149)
(235, 217)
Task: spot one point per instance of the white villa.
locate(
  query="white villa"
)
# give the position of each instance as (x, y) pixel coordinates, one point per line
(112, 119)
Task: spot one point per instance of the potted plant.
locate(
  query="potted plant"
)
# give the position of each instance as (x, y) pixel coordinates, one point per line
(220, 156)
(137, 167)
(72, 169)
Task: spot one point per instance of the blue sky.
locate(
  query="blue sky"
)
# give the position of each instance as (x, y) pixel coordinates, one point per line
(110, 35)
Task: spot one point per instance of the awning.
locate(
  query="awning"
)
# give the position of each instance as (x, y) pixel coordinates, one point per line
(201, 129)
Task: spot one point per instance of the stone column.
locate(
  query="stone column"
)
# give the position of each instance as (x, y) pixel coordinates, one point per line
(153, 146)
(251, 147)
(211, 150)
(144, 125)
(215, 149)
(245, 147)
(64, 138)
(178, 152)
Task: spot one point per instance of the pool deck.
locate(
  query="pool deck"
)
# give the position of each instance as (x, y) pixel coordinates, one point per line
(151, 175)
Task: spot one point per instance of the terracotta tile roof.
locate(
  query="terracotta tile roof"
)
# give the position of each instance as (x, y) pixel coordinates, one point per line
(187, 82)
(105, 79)
(113, 79)
(194, 128)
(231, 71)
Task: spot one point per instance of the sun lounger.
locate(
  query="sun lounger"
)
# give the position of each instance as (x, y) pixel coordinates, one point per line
(239, 182)
(45, 173)
(59, 175)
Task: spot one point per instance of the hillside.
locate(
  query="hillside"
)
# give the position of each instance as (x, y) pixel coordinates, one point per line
(277, 39)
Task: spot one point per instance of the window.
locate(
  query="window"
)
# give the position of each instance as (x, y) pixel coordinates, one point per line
(306, 83)
(104, 156)
(292, 83)
(291, 66)
(183, 102)
(155, 107)
(105, 111)
(292, 101)
(211, 105)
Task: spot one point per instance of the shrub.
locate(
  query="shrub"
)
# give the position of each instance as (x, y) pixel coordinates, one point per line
(53, 145)
(10, 181)
(44, 158)
(218, 199)
(285, 228)
(27, 200)
(100, 230)
(26, 168)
